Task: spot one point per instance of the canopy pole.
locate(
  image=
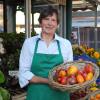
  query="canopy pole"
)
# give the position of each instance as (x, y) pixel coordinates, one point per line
(95, 29)
(68, 18)
(27, 18)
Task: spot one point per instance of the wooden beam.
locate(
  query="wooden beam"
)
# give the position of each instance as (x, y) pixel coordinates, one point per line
(61, 2)
(93, 2)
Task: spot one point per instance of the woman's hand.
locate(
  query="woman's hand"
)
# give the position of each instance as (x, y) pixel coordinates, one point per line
(37, 79)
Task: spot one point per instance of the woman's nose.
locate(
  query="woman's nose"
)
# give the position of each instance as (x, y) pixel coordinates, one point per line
(49, 22)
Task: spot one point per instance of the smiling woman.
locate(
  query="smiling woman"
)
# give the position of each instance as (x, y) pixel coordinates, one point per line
(41, 53)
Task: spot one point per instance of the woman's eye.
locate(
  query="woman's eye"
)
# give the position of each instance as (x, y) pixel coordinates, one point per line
(54, 20)
(46, 18)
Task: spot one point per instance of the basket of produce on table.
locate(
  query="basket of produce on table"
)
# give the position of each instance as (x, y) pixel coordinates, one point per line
(73, 76)
(83, 94)
(80, 94)
(94, 95)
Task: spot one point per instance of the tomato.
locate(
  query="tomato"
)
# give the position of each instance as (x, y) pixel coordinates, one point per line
(72, 80)
(80, 72)
(89, 76)
(88, 68)
(98, 96)
(63, 80)
(80, 78)
(84, 74)
(72, 70)
(92, 98)
(62, 73)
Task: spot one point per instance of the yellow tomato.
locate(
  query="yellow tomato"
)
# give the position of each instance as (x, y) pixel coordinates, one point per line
(89, 76)
(72, 70)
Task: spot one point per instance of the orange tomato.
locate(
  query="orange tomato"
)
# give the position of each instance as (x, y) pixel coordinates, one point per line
(80, 78)
(62, 73)
(92, 98)
(98, 96)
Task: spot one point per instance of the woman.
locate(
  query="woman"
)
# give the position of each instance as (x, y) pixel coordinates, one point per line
(41, 53)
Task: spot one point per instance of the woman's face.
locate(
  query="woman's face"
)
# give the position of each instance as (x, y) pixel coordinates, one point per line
(49, 24)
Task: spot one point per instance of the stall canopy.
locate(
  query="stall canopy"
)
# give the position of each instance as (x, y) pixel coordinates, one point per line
(71, 5)
(76, 4)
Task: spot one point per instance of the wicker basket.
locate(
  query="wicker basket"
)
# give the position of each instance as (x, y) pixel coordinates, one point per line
(93, 94)
(80, 94)
(74, 87)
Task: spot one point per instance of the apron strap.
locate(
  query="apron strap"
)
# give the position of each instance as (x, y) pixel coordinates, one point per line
(59, 49)
(36, 45)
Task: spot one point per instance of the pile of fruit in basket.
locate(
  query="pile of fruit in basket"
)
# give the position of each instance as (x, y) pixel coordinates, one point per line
(73, 75)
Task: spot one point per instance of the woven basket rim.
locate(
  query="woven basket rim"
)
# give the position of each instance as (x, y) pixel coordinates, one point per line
(74, 86)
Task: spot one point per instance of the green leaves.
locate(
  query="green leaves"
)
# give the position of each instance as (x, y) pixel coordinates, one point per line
(1, 97)
(4, 94)
(2, 78)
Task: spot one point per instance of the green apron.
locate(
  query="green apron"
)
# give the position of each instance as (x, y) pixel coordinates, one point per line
(41, 65)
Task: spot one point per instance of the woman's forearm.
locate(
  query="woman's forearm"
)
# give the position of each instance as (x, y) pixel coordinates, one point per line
(37, 79)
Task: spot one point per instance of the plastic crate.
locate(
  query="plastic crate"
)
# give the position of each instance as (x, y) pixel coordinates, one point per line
(84, 57)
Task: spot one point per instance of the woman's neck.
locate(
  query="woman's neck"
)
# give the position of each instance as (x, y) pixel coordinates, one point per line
(47, 38)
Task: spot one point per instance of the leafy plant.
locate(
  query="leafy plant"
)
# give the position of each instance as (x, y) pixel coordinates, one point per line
(4, 93)
(12, 44)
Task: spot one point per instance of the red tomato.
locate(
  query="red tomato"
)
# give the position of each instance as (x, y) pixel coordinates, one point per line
(88, 68)
(84, 74)
(63, 80)
(72, 80)
(80, 72)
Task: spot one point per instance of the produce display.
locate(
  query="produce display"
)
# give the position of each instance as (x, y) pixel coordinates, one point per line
(83, 52)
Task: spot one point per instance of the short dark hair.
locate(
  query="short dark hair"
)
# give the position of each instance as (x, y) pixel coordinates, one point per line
(48, 11)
